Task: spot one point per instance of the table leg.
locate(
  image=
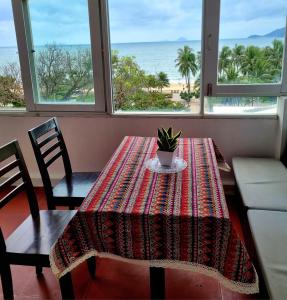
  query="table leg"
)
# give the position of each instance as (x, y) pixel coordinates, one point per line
(157, 283)
(66, 286)
(92, 266)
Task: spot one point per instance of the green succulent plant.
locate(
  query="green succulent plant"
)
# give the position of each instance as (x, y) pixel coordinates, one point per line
(166, 140)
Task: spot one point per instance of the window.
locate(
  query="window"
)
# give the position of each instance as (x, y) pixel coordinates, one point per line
(161, 57)
(244, 51)
(155, 56)
(11, 89)
(62, 51)
(251, 42)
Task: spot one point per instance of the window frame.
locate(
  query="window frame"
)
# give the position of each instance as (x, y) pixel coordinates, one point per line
(27, 61)
(211, 59)
(98, 15)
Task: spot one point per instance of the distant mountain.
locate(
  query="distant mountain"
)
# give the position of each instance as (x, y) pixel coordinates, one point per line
(182, 39)
(278, 33)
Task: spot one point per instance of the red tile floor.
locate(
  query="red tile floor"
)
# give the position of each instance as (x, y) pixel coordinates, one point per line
(114, 280)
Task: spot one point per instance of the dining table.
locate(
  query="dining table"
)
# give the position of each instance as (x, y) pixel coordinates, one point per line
(160, 220)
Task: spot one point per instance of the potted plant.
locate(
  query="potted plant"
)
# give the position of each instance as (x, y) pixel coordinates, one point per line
(167, 143)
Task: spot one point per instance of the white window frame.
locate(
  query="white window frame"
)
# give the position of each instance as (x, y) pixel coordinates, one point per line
(211, 87)
(27, 62)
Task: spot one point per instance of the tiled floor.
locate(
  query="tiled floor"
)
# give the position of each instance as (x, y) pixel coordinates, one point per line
(114, 280)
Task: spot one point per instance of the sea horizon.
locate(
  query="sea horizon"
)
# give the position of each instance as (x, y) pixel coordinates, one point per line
(151, 42)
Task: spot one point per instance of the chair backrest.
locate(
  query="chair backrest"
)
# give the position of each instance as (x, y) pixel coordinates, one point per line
(49, 145)
(14, 178)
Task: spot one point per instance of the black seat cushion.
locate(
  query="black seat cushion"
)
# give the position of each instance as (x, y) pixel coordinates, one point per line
(79, 186)
(37, 236)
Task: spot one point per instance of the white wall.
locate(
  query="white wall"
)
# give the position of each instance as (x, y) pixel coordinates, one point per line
(92, 140)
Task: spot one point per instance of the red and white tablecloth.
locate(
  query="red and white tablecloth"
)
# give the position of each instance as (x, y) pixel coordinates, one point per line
(163, 220)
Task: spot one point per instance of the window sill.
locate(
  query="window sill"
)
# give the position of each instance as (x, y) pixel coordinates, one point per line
(87, 114)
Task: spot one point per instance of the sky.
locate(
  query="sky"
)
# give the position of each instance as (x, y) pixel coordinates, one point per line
(66, 21)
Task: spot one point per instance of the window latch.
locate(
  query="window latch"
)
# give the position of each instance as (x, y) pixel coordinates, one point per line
(209, 89)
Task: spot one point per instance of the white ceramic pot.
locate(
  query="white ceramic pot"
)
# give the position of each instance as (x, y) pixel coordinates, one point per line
(165, 158)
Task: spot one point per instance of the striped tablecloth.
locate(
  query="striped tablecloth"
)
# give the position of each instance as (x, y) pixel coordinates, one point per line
(163, 220)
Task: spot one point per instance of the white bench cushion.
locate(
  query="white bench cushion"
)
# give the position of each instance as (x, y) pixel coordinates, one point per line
(254, 170)
(267, 195)
(269, 230)
(262, 182)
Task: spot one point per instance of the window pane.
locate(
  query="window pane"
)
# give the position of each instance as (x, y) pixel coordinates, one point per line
(156, 55)
(251, 41)
(62, 57)
(241, 105)
(11, 90)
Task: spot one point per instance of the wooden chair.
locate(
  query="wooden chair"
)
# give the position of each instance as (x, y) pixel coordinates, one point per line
(49, 145)
(31, 242)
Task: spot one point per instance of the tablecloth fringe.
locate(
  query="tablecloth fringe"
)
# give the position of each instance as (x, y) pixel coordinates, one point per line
(243, 288)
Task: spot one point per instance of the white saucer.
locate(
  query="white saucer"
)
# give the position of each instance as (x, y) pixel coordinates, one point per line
(154, 165)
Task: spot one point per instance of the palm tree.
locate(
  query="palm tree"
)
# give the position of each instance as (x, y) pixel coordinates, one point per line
(162, 80)
(224, 60)
(237, 56)
(275, 57)
(186, 64)
(196, 88)
(231, 74)
(151, 82)
(255, 66)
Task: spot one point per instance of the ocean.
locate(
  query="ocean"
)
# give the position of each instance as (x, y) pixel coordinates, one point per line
(153, 57)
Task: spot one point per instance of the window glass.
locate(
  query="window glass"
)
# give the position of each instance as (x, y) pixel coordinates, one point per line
(62, 57)
(251, 41)
(155, 55)
(11, 89)
(241, 105)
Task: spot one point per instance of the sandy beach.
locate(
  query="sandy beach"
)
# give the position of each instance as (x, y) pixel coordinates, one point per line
(177, 87)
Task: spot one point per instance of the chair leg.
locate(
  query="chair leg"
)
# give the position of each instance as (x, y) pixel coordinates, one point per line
(6, 279)
(66, 286)
(92, 266)
(39, 271)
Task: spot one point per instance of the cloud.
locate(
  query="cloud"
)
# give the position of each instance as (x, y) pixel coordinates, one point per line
(152, 21)
(7, 33)
(60, 21)
(5, 10)
(66, 21)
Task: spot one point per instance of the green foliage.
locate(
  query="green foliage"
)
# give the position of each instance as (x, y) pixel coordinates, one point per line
(150, 101)
(186, 63)
(158, 81)
(134, 90)
(128, 80)
(64, 75)
(151, 82)
(186, 96)
(10, 92)
(196, 88)
(251, 64)
(166, 140)
(162, 80)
